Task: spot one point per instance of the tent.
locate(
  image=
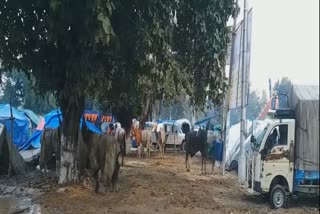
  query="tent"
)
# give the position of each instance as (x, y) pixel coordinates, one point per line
(31, 115)
(7, 148)
(51, 120)
(20, 127)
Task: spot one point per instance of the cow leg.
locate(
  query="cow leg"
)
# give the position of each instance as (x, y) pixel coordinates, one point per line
(202, 165)
(187, 162)
(45, 169)
(115, 175)
(205, 165)
(96, 179)
(213, 163)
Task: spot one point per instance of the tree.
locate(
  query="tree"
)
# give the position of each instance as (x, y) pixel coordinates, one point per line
(125, 50)
(12, 88)
(23, 93)
(281, 90)
(255, 105)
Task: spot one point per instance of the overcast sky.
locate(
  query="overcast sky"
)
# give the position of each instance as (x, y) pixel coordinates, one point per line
(285, 41)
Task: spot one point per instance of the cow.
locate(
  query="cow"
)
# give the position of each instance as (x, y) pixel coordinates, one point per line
(120, 136)
(146, 141)
(140, 151)
(197, 142)
(50, 141)
(161, 140)
(104, 151)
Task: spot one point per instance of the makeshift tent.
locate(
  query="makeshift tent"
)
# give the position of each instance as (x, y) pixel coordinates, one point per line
(7, 148)
(31, 115)
(21, 124)
(51, 120)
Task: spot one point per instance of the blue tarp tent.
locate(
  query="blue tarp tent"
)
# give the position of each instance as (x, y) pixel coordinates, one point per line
(20, 125)
(31, 115)
(52, 121)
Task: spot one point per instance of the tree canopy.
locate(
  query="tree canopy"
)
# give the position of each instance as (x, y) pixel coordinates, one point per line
(22, 92)
(126, 53)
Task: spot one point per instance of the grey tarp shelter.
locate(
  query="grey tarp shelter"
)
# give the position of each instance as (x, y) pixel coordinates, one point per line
(17, 162)
(304, 100)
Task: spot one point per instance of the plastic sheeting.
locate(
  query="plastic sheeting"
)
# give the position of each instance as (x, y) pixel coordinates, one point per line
(20, 125)
(304, 100)
(52, 121)
(31, 115)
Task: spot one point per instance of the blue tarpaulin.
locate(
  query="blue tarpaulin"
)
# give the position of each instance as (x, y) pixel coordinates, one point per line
(31, 115)
(52, 121)
(203, 120)
(33, 141)
(20, 124)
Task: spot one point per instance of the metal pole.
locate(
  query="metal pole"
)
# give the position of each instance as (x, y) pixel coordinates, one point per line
(227, 100)
(242, 163)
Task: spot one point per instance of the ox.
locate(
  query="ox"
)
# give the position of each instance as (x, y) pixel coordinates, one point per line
(50, 141)
(104, 152)
(197, 142)
(161, 140)
(146, 140)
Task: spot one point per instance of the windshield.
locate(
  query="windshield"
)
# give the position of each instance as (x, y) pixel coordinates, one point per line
(260, 135)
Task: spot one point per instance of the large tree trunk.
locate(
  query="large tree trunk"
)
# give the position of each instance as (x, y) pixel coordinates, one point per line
(146, 110)
(71, 148)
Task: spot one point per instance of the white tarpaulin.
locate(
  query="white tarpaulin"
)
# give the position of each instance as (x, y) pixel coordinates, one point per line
(304, 100)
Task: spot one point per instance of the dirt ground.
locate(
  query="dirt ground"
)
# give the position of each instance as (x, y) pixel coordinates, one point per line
(163, 186)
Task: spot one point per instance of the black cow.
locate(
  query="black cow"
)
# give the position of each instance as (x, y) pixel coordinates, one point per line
(196, 142)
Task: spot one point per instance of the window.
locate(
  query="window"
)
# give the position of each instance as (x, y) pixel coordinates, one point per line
(278, 136)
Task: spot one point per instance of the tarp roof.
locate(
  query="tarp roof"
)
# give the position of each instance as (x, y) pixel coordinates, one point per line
(304, 100)
(31, 115)
(20, 125)
(204, 120)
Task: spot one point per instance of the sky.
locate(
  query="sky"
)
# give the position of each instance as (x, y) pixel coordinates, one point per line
(285, 41)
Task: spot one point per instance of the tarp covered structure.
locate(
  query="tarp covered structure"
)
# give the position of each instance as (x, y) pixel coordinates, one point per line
(51, 120)
(21, 124)
(31, 115)
(304, 100)
(7, 148)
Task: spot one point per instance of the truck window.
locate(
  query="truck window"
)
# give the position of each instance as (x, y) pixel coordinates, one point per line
(278, 136)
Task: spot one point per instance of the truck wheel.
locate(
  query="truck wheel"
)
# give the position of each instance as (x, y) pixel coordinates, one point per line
(278, 197)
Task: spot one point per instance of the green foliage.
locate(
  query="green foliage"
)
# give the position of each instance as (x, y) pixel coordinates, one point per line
(255, 106)
(131, 52)
(23, 93)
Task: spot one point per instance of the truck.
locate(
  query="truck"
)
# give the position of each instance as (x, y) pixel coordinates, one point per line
(284, 156)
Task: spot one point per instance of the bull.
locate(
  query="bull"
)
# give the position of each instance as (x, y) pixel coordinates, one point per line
(104, 151)
(196, 142)
(161, 140)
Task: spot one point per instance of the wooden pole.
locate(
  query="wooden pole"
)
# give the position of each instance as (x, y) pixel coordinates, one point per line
(10, 143)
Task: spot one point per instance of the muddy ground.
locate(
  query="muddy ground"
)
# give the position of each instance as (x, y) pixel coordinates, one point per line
(147, 186)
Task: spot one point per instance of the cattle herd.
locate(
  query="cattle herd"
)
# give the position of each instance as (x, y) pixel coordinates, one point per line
(104, 150)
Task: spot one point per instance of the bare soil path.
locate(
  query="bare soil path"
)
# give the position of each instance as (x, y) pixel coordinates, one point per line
(152, 185)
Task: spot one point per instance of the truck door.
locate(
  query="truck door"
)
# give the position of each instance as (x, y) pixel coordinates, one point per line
(275, 156)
